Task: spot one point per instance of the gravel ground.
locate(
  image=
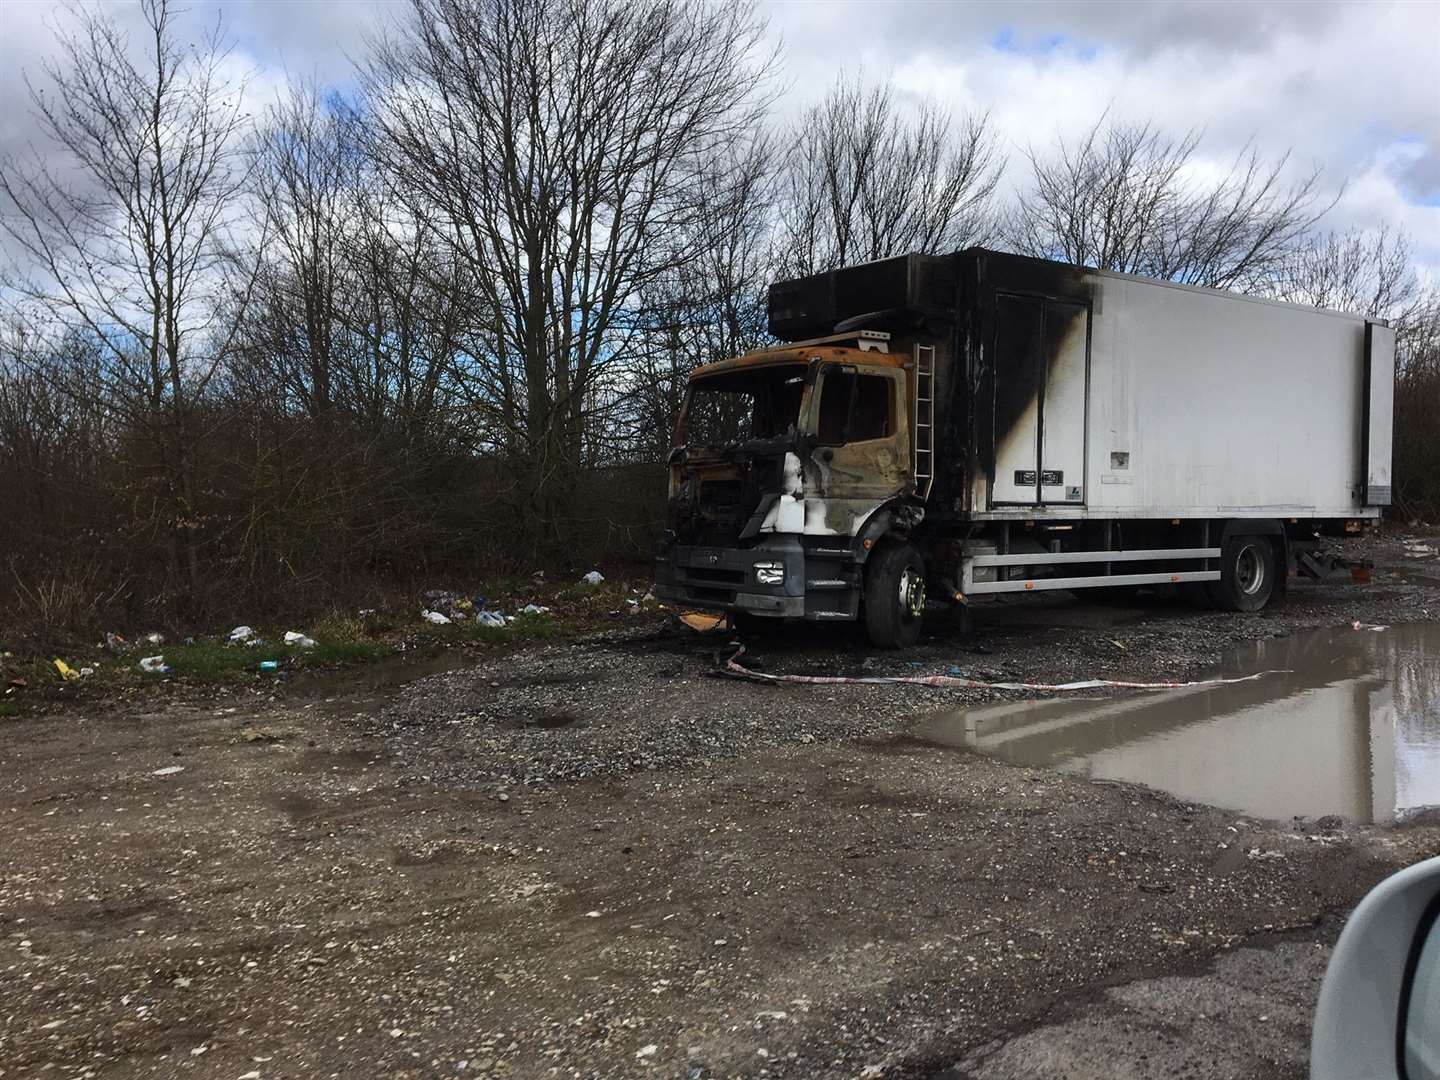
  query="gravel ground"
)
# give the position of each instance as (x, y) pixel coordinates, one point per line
(655, 698)
(600, 860)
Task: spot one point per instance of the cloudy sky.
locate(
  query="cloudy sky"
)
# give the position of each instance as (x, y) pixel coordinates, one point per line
(1352, 87)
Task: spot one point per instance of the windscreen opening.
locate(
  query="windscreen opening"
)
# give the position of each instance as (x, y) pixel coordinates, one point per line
(759, 403)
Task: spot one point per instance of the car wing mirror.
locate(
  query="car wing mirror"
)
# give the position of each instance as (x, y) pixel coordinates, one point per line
(1379, 1010)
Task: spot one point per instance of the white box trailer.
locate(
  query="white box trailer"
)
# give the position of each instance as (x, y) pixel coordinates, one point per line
(982, 422)
(1169, 400)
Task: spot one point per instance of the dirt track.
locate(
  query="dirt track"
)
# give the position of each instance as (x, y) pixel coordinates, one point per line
(600, 860)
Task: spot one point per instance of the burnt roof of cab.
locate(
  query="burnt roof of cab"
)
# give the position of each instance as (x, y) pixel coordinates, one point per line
(799, 354)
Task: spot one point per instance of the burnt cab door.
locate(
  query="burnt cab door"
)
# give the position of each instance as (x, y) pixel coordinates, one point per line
(1041, 360)
(862, 443)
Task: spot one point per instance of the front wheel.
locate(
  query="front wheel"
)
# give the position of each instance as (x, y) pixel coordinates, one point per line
(894, 596)
(1247, 574)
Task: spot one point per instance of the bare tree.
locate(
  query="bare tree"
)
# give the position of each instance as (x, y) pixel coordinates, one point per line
(129, 234)
(706, 308)
(1127, 197)
(1365, 271)
(305, 182)
(867, 178)
(552, 147)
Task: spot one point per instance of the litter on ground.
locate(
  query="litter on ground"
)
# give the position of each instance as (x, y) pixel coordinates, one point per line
(435, 617)
(66, 671)
(490, 618)
(703, 621)
(155, 665)
(594, 577)
(293, 637)
(241, 634)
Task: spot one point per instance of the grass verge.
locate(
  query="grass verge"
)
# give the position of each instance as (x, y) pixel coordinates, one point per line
(341, 639)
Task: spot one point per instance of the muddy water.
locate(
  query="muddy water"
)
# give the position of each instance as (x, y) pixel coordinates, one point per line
(1350, 727)
(373, 682)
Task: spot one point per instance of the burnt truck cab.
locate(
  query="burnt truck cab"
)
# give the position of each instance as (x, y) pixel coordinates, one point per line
(800, 473)
(788, 465)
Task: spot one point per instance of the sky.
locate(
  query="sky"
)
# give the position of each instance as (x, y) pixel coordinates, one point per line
(1351, 87)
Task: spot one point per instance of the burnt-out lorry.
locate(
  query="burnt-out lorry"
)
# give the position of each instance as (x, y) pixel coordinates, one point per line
(945, 428)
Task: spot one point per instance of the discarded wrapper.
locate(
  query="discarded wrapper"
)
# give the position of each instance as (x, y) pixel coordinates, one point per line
(703, 621)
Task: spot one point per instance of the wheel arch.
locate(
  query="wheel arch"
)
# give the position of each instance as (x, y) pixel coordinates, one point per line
(895, 519)
(1271, 528)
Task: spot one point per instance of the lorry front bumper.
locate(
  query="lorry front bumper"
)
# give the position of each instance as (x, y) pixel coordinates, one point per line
(817, 585)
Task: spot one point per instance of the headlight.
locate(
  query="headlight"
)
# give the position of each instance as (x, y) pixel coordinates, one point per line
(769, 573)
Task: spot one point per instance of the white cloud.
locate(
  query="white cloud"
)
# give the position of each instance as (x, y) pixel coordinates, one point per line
(1353, 87)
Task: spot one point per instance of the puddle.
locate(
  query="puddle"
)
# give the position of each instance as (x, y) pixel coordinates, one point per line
(1352, 728)
(374, 676)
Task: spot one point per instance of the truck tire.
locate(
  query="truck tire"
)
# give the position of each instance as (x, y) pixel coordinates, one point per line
(1247, 574)
(894, 596)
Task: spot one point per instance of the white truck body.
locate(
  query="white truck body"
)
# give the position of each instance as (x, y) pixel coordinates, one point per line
(1176, 401)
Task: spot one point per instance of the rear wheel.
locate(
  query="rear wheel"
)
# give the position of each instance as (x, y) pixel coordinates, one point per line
(1247, 574)
(894, 596)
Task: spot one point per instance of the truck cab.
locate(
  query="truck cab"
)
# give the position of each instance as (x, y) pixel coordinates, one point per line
(789, 464)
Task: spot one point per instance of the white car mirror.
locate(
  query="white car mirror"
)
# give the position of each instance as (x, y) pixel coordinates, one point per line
(1379, 1011)
(1420, 1030)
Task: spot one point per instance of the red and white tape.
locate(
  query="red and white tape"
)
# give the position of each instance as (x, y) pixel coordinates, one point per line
(734, 666)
